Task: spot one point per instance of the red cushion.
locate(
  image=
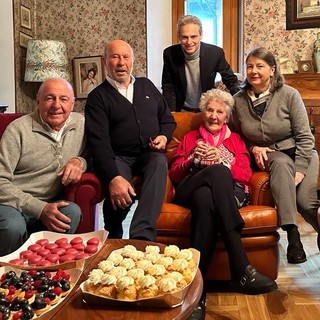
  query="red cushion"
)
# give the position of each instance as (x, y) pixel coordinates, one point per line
(6, 118)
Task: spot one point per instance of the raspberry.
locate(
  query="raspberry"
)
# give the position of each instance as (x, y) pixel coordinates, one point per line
(28, 294)
(57, 290)
(12, 289)
(37, 283)
(33, 272)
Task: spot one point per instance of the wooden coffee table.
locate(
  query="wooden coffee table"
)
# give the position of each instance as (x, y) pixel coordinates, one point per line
(73, 307)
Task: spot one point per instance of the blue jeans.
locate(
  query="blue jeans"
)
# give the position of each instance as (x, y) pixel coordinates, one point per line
(15, 227)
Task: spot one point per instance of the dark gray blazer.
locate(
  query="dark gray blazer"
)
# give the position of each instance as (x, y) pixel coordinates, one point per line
(174, 83)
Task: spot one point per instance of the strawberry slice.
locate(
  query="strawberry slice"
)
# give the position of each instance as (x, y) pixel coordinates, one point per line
(17, 315)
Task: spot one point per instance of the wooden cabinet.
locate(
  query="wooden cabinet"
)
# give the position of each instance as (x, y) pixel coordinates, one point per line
(309, 87)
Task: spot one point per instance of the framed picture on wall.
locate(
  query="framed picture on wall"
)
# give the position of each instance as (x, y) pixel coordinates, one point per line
(25, 17)
(88, 73)
(23, 39)
(301, 14)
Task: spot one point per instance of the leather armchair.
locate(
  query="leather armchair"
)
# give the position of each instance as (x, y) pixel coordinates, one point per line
(87, 193)
(259, 236)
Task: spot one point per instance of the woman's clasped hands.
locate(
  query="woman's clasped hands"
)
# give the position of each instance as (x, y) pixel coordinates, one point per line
(205, 151)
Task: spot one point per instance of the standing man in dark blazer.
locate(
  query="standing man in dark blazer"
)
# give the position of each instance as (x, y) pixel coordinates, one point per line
(191, 66)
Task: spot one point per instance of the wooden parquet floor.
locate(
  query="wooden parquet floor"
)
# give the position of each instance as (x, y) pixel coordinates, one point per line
(297, 297)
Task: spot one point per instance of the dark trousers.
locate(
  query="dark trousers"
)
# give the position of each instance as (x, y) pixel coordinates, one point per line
(209, 194)
(152, 166)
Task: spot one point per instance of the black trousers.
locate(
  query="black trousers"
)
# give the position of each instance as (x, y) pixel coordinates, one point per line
(209, 194)
(152, 166)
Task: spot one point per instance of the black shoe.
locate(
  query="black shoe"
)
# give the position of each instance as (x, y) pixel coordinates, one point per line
(199, 312)
(295, 253)
(318, 241)
(254, 282)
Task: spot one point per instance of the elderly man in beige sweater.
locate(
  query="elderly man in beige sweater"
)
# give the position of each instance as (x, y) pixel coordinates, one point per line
(40, 153)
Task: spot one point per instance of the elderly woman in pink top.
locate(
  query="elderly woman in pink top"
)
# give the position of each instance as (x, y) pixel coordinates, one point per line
(211, 171)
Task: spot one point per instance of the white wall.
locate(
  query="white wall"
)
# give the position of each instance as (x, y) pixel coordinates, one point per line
(159, 36)
(7, 84)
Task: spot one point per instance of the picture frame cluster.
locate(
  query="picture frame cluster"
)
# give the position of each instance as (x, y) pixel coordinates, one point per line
(25, 33)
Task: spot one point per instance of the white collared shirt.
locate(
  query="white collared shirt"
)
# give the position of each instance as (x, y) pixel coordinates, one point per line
(126, 92)
(53, 133)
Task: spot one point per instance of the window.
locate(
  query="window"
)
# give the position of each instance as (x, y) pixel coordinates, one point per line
(210, 14)
(220, 23)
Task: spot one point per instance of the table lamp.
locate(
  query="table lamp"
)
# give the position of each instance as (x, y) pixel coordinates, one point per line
(46, 59)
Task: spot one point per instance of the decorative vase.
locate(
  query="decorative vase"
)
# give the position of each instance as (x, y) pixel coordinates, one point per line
(316, 52)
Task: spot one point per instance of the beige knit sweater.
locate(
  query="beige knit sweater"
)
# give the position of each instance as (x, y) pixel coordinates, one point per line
(30, 160)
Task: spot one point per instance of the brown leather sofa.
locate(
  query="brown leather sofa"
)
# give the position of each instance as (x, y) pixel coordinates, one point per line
(259, 236)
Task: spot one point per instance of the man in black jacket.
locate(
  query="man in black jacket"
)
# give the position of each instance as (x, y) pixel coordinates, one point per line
(190, 67)
(128, 125)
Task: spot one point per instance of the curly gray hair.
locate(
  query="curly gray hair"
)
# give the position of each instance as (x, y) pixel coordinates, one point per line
(219, 95)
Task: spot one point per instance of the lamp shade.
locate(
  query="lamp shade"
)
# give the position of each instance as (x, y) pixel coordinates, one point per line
(46, 59)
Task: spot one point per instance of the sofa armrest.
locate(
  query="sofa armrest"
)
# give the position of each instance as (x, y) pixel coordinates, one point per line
(168, 197)
(260, 191)
(86, 194)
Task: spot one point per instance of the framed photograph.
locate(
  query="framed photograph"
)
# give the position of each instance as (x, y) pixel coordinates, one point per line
(305, 66)
(286, 65)
(23, 39)
(25, 17)
(88, 73)
(302, 14)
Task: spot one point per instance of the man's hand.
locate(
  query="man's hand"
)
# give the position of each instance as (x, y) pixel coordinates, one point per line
(53, 219)
(298, 178)
(71, 172)
(120, 191)
(260, 155)
(158, 143)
